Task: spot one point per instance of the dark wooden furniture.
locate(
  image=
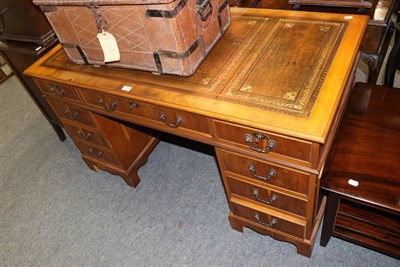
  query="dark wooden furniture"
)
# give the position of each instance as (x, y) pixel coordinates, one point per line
(25, 36)
(393, 61)
(362, 180)
(361, 4)
(374, 48)
(271, 136)
(20, 20)
(377, 37)
(3, 76)
(19, 56)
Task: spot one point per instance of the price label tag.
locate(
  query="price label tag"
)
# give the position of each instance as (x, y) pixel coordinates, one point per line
(353, 182)
(109, 46)
(126, 88)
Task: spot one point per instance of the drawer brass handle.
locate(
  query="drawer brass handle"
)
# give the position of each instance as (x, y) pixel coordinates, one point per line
(133, 105)
(271, 173)
(83, 135)
(176, 124)
(268, 202)
(54, 90)
(112, 106)
(272, 223)
(71, 116)
(95, 153)
(259, 136)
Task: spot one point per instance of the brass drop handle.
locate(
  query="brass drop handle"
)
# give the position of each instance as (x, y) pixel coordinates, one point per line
(271, 173)
(110, 107)
(84, 135)
(95, 153)
(71, 116)
(133, 105)
(176, 124)
(257, 138)
(268, 202)
(272, 223)
(101, 101)
(54, 91)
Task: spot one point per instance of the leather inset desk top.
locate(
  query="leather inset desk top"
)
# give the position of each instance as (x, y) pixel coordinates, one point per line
(294, 54)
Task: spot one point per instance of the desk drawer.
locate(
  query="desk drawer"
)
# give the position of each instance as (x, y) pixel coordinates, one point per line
(58, 90)
(267, 197)
(265, 172)
(97, 153)
(85, 134)
(263, 143)
(162, 116)
(72, 113)
(269, 221)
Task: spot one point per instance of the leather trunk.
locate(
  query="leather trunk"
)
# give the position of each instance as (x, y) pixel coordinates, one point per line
(161, 36)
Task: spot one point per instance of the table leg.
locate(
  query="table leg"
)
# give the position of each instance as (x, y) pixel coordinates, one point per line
(373, 63)
(329, 218)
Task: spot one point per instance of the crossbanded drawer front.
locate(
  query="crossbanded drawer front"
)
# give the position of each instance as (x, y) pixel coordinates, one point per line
(265, 172)
(267, 220)
(167, 117)
(58, 90)
(109, 103)
(267, 197)
(264, 143)
(97, 153)
(72, 114)
(85, 134)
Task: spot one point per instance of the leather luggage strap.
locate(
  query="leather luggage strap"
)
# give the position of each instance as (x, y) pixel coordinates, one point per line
(81, 53)
(167, 13)
(198, 42)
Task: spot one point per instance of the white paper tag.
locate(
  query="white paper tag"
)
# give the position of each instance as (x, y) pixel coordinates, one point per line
(109, 46)
(348, 17)
(126, 88)
(353, 182)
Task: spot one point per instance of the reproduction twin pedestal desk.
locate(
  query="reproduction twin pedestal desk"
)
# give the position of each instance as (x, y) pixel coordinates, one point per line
(268, 97)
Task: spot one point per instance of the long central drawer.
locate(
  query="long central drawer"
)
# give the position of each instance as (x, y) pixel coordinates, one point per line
(157, 116)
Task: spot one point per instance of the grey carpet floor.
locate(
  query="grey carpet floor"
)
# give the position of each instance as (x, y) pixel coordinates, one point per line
(55, 211)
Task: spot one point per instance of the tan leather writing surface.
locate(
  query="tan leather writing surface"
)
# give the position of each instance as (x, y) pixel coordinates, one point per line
(276, 63)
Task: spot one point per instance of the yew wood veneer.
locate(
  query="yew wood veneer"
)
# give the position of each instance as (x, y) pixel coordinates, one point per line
(268, 98)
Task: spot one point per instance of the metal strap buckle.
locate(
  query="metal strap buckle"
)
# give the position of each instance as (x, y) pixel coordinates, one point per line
(201, 10)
